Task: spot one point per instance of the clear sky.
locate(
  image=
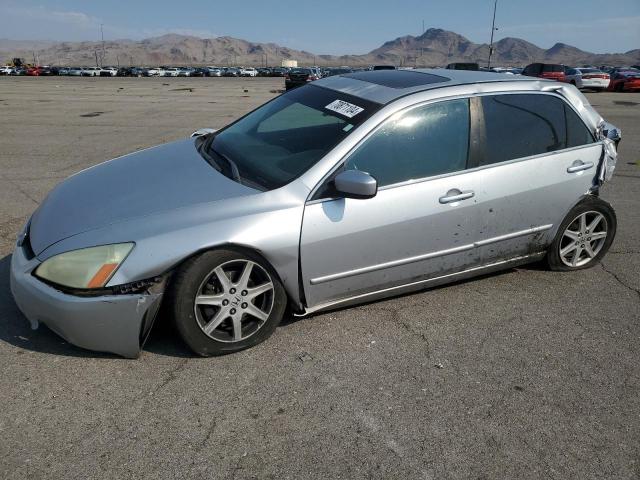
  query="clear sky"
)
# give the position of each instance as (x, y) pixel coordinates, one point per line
(328, 26)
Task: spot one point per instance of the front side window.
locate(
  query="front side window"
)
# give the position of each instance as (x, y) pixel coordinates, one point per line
(419, 143)
(522, 125)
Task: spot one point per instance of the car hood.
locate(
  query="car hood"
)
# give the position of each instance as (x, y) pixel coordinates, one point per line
(162, 178)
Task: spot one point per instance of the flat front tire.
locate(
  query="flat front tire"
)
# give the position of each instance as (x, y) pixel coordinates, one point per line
(226, 300)
(584, 236)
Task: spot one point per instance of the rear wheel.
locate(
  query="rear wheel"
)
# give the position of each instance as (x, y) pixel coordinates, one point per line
(584, 237)
(224, 301)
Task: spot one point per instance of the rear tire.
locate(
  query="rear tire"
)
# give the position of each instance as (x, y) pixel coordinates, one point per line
(224, 301)
(584, 236)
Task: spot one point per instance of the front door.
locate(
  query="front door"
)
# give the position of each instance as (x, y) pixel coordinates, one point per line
(422, 223)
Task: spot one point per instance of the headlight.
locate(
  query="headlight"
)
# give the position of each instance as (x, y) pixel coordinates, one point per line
(87, 268)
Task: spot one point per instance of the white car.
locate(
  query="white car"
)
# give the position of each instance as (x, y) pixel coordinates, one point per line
(214, 71)
(7, 70)
(248, 72)
(590, 78)
(109, 72)
(153, 72)
(91, 71)
(75, 71)
(169, 72)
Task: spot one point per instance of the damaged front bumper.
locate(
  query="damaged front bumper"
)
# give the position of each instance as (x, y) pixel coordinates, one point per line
(109, 323)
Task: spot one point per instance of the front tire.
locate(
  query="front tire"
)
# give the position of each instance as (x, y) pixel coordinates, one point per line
(224, 301)
(584, 236)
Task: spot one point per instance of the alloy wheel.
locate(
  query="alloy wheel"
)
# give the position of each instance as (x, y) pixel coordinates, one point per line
(583, 239)
(234, 301)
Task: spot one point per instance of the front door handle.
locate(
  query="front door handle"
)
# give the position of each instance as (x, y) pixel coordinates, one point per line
(578, 166)
(455, 195)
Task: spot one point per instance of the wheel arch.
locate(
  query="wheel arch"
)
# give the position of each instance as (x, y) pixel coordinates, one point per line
(240, 248)
(586, 197)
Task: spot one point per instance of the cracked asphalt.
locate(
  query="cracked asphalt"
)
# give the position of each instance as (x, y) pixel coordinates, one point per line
(522, 374)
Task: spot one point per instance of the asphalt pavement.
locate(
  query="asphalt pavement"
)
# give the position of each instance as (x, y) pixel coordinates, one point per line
(521, 374)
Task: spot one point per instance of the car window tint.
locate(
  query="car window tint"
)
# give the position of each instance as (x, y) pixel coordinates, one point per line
(577, 132)
(522, 125)
(422, 142)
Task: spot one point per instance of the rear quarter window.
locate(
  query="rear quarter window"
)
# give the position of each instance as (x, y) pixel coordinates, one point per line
(577, 132)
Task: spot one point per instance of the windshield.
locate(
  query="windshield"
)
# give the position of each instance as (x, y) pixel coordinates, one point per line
(282, 139)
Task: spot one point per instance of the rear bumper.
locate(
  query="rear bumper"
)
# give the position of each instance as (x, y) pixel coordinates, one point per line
(595, 83)
(114, 323)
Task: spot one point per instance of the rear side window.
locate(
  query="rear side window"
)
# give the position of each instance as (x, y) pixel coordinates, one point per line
(533, 69)
(522, 125)
(577, 132)
(421, 142)
(552, 68)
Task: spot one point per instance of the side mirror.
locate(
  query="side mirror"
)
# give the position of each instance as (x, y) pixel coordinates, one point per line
(355, 184)
(202, 131)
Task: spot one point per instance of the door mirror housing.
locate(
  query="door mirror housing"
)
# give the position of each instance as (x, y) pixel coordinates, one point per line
(355, 184)
(202, 131)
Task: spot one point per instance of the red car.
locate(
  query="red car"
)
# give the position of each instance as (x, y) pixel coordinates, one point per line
(34, 71)
(624, 80)
(552, 71)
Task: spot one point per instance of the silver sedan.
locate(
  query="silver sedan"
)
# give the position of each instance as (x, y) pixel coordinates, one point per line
(351, 189)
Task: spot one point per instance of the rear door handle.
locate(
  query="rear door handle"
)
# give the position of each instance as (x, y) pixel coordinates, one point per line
(578, 166)
(455, 195)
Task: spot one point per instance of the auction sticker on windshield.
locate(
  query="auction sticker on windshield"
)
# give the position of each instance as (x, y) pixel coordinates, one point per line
(344, 108)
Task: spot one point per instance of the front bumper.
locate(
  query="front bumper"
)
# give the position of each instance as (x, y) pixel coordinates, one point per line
(112, 323)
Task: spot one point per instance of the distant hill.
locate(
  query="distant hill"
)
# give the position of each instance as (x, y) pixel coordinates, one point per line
(436, 47)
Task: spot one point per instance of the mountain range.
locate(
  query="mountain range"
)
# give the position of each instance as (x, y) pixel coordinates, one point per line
(435, 47)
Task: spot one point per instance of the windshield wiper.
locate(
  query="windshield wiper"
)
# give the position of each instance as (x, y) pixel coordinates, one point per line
(206, 147)
(235, 173)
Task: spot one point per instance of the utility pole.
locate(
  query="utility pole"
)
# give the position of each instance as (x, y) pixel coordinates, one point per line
(493, 29)
(102, 36)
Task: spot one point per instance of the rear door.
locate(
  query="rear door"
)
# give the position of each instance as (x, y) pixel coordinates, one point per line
(421, 224)
(538, 159)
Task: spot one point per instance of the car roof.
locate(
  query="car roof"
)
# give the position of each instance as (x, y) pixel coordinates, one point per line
(384, 86)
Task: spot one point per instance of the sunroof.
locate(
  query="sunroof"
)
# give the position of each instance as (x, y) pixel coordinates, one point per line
(397, 78)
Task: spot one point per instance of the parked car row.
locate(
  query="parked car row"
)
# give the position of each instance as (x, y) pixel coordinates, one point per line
(613, 79)
(162, 71)
(618, 79)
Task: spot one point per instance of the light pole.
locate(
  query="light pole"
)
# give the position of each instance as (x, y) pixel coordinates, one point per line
(102, 37)
(493, 29)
